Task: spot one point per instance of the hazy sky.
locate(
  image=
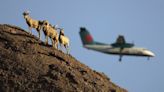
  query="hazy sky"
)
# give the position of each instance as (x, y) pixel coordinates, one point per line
(140, 21)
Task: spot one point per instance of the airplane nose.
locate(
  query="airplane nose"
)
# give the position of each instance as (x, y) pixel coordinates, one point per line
(149, 53)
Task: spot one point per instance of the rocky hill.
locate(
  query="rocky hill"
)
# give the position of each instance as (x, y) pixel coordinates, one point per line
(28, 65)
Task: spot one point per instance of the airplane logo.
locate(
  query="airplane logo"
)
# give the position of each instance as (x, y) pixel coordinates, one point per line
(120, 47)
(89, 38)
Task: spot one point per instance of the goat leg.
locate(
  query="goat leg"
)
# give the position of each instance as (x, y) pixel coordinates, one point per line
(67, 49)
(30, 30)
(56, 44)
(39, 34)
(46, 40)
(52, 43)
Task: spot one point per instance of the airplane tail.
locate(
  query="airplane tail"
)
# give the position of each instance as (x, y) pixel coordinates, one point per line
(86, 36)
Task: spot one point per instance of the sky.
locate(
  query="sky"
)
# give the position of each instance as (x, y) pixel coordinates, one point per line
(140, 21)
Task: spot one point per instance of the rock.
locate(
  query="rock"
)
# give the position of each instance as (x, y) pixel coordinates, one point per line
(28, 65)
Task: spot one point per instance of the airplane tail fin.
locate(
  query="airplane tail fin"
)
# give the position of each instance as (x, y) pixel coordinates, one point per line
(85, 36)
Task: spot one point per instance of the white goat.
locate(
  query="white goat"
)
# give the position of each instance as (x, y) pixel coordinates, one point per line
(36, 24)
(63, 40)
(51, 32)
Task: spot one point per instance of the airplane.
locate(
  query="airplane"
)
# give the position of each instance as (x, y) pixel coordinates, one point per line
(120, 47)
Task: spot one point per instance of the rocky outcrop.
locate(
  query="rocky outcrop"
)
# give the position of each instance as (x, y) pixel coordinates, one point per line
(28, 65)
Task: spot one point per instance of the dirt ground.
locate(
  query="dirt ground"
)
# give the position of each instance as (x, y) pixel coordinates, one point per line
(28, 65)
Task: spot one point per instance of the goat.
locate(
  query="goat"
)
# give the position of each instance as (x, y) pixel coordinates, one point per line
(63, 40)
(51, 32)
(36, 24)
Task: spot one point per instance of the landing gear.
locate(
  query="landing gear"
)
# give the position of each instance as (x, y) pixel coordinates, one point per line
(120, 59)
(148, 58)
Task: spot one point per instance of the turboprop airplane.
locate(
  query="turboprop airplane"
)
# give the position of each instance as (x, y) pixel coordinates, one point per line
(120, 47)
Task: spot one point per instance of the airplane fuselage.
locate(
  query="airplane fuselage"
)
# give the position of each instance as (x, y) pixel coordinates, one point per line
(135, 51)
(120, 47)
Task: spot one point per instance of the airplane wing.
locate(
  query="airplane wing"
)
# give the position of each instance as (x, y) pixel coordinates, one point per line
(120, 40)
